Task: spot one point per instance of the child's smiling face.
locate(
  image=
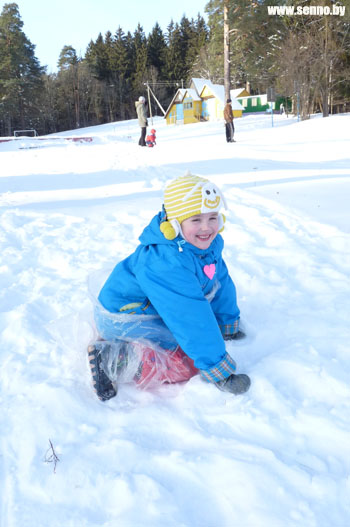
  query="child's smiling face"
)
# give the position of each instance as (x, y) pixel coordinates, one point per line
(200, 230)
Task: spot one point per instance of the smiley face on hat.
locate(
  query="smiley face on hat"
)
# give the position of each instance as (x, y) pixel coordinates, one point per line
(211, 198)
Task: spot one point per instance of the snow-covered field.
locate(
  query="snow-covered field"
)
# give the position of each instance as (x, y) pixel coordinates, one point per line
(186, 455)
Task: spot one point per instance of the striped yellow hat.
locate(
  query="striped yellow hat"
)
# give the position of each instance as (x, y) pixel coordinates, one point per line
(187, 196)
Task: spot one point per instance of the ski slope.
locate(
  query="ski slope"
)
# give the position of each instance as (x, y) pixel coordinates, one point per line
(185, 455)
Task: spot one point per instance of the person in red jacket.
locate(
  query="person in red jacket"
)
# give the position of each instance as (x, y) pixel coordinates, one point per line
(151, 138)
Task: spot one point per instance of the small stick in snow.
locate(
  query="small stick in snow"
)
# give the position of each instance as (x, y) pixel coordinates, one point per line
(52, 458)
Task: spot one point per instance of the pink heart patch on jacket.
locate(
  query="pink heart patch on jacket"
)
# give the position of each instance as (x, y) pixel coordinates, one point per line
(209, 270)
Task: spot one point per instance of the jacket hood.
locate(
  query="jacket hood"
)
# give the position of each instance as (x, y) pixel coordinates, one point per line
(152, 235)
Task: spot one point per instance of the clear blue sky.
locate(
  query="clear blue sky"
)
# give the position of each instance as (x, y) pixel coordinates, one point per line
(52, 24)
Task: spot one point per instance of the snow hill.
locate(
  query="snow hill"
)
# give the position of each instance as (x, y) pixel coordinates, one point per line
(185, 455)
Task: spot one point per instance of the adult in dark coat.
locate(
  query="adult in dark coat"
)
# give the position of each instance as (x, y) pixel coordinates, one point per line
(229, 126)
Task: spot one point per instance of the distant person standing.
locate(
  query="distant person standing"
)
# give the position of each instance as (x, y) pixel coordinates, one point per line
(142, 118)
(229, 126)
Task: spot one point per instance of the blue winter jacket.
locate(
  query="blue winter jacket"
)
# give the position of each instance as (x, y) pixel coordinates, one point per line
(166, 277)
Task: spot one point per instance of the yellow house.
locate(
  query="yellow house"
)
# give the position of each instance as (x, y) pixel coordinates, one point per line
(203, 101)
(185, 107)
(213, 102)
(198, 85)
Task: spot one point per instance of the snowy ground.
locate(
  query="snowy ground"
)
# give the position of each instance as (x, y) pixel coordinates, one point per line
(185, 455)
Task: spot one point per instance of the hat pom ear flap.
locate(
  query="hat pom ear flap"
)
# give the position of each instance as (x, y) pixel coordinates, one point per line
(222, 219)
(167, 229)
(170, 229)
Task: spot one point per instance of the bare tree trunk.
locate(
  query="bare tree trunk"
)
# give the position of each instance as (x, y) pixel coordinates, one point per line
(9, 125)
(226, 52)
(77, 98)
(326, 75)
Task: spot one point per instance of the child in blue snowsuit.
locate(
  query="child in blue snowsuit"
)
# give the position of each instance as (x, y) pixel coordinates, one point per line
(178, 275)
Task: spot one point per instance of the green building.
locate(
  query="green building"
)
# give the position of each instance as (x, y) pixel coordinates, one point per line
(258, 103)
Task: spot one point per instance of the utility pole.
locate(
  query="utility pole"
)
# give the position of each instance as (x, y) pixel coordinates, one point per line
(149, 91)
(149, 102)
(226, 52)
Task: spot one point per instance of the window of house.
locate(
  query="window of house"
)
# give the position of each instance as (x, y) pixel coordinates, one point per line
(188, 105)
(254, 101)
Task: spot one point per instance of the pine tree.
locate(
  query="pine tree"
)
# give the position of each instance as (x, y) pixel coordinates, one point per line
(156, 49)
(49, 105)
(156, 72)
(121, 68)
(210, 63)
(198, 48)
(68, 57)
(69, 86)
(20, 75)
(175, 55)
(97, 58)
(254, 38)
(139, 53)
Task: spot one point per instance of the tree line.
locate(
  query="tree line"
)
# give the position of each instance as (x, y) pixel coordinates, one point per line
(306, 58)
(100, 87)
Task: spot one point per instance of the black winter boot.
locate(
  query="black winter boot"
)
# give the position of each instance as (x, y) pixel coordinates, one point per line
(235, 336)
(236, 384)
(102, 384)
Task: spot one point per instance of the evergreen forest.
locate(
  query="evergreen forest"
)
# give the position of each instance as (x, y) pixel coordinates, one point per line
(305, 58)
